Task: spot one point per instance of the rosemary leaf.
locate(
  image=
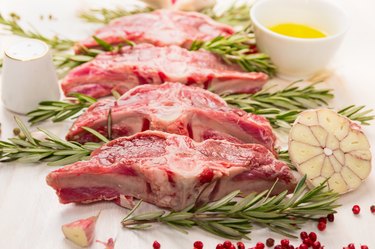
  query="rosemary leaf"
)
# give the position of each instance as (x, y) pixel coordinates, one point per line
(106, 46)
(97, 134)
(236, 15)
(357, 113)
(282, 107)
(238, 49)
(12, 25)
(59, 111)
(104, 16)
(279, 107)
(52, 149)
(280, 213)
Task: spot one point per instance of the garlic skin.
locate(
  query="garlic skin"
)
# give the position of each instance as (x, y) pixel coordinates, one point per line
(81, 232)
(184, 5)
(326, 145)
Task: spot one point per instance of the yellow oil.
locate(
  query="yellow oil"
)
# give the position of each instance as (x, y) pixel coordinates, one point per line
(297, 30)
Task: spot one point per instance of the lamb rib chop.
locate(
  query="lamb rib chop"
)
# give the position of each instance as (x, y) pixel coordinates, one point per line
(161, 28)
(147, 64)
(170, 171)
(173, 108)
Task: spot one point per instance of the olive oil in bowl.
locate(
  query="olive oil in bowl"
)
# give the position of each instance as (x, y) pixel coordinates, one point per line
(297, 30)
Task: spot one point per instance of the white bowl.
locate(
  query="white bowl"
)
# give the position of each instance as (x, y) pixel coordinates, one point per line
(28, 76)
(299, 57)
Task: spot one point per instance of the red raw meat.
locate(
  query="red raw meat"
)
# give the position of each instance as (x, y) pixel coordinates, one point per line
(161, 28)
(173, 108)
(170, 171)
(147, 64)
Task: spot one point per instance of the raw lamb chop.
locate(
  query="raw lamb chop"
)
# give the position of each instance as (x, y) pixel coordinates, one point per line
(170, 171)
(147, 64)
(173, 108)
(161, 28)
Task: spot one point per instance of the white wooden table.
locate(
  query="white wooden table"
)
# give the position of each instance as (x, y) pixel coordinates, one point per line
(31, 216)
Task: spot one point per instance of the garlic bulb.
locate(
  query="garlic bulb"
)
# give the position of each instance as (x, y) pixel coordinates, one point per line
(326, 145)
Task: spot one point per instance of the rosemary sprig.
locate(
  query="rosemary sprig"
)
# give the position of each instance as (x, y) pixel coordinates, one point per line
(52, 149)
(104, 16)
(238, 49)
(236, 15)
(233, 219)
(281, 107)
(66, 62)
(12, 25)
(357, 113)
(59, 111)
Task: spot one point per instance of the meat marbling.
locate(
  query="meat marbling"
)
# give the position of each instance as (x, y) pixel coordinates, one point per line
(147, 64)
(173, 108)
(161, 28)
(170, 171)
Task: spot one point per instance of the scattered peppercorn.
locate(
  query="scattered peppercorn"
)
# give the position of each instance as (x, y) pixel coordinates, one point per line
(303, 235)
(356, 209)
(284, 242)
(364, 247)
(303, 246)
(156, 245)
(259, 245)
(313, 237)
(22, 136)
(240, 245)
(227, 244)
(322, 226)
(219, 246)
(307, 241)
(316, 245)
(323, 219)
(198, 244)
(270, 242)
(351, 246)
(16, 131)
(372, 208)
(331, 217)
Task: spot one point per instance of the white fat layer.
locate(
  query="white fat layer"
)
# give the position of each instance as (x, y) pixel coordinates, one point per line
(200, 123)
(220, 86)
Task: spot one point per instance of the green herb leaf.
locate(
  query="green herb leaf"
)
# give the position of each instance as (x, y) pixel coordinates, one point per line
(233, 219)
(59, 111)
(12, 25)
(97, 134)
(238, 49)
(104, 16)
(282, 107)
(103, 44)
(237, 15)
(52, 149)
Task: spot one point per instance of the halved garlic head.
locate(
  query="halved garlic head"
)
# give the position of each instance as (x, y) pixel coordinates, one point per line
(324, 144)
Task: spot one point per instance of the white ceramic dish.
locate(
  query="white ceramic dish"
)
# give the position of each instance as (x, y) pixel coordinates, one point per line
(28, 76)
(299, 57)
